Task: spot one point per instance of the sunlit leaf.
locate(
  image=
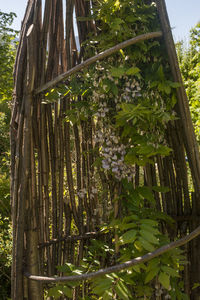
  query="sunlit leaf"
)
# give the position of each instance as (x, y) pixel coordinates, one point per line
(117, 72)
(121, 290)
(132, 71)
(128, 237)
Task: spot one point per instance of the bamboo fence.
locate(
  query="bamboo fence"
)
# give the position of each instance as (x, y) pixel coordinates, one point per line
(52, 160)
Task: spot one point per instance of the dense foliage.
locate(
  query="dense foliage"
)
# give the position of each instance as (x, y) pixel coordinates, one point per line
(189, 58)
(7, 57)
(130, 96)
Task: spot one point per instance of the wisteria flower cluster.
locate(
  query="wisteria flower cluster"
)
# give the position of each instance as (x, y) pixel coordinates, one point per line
(131, 90)
(102, 110)
(113, 155)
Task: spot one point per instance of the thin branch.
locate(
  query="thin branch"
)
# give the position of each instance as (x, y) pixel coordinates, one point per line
(99, 56)
(70, 238)
(122, 266)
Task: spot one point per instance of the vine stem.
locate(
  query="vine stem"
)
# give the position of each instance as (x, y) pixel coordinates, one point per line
(95, 58)
(119, 267)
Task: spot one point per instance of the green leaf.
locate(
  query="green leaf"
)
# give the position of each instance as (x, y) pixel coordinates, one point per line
(170, 271)
(164, 150)
(131, 158)
(73, 284)
(117, 72)
(164, 279)
(106, 85)
(153, 264)
(102, 284)
(55, 292)
(121, 290)
(128, 237)
(146, 193)
(127, 226)
(150, 229)
(108, 295)
(77, 272)
(67, 291)
(167, 89)
(131, 18)
(154, 84)
(161, 189)
(149, 222)
(114, 89)
(173, 100)
(132, 71)
(160, 73)
(153, 273)
(136, 268)
(175, 84)
(146, 245)
(66, 268)
(52, 96)
(196, 285)
(148, 236)
(138, 245)
(148, 150)
(131, 218)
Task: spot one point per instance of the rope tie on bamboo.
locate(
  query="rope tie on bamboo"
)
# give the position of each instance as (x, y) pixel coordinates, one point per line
(119, 267)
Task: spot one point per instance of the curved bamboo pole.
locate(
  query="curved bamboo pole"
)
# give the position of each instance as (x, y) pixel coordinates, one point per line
(93, 59)
(119, 267)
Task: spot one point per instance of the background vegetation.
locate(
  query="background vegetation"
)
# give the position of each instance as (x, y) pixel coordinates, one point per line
(189, 58)
(7, 57)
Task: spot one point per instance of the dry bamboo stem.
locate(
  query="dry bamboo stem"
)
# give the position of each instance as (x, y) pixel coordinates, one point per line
(183, 106)
(34, 291)
(78, 174)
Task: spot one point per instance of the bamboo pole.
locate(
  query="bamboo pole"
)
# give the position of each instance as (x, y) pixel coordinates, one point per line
(34, 290)
(183, 106)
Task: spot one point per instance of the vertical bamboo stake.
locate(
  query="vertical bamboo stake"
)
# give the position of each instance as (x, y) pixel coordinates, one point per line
(78, 175)
(183, 106)
(34, 290)
(16, 151)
